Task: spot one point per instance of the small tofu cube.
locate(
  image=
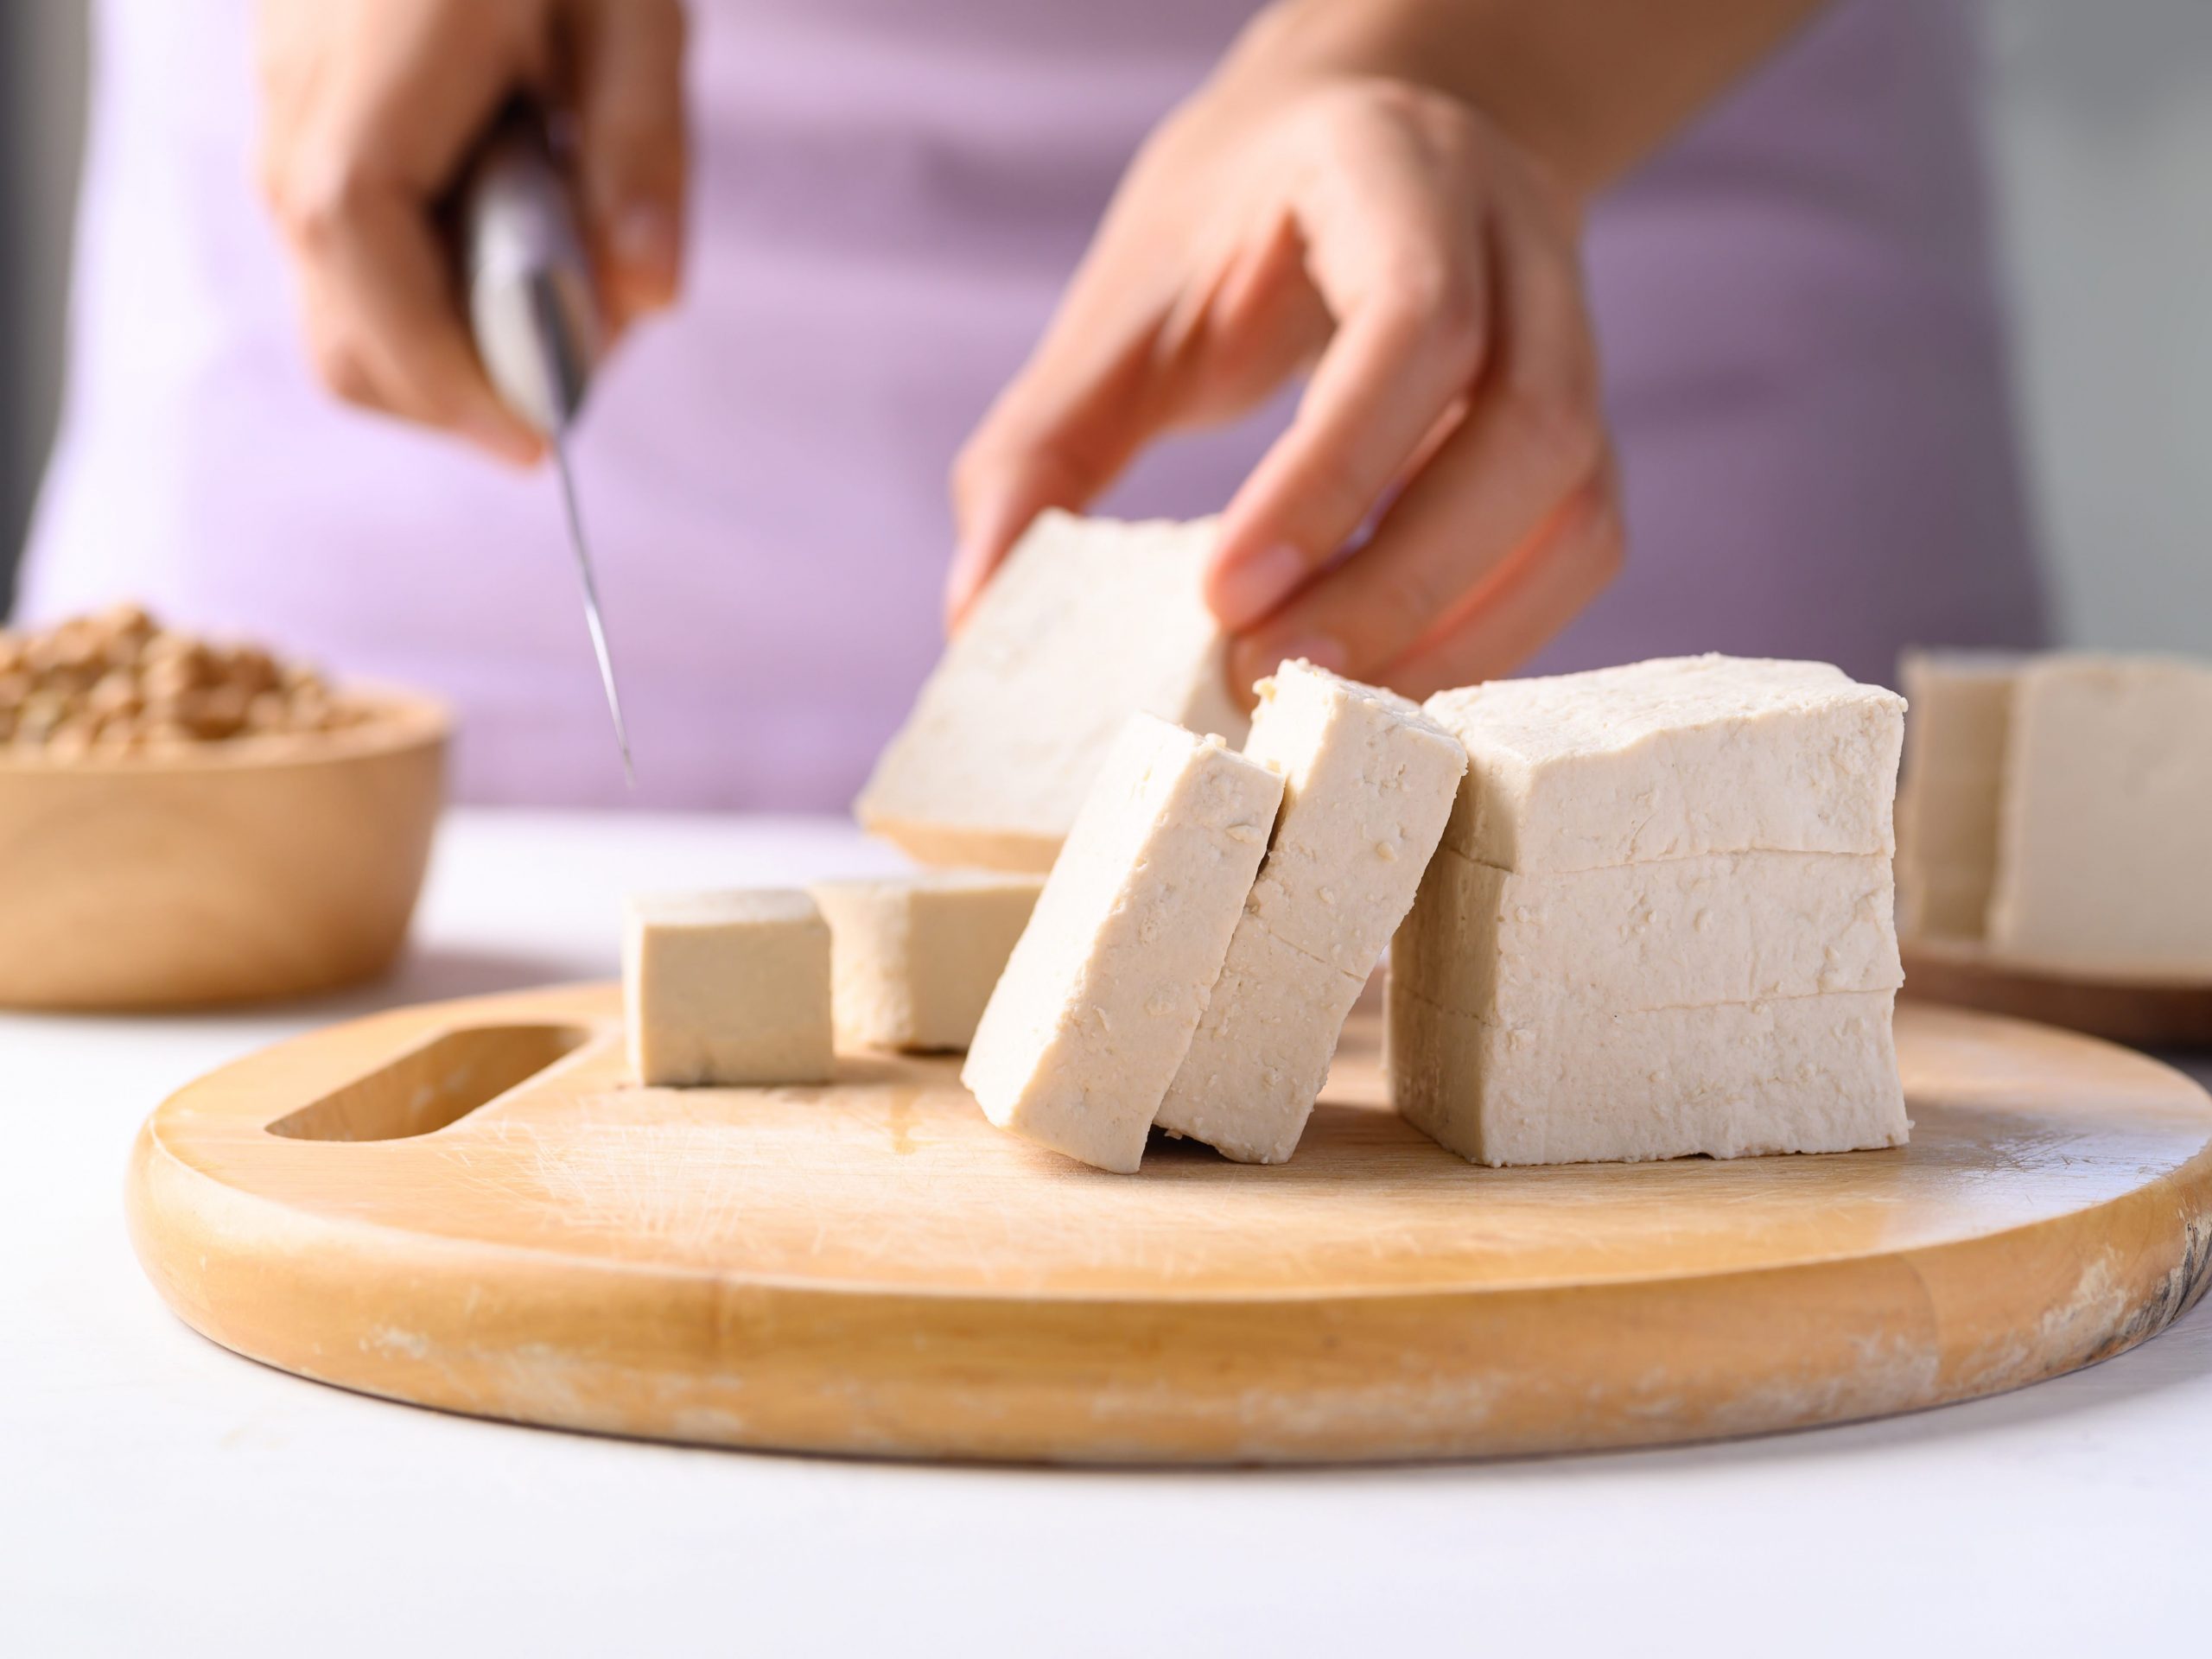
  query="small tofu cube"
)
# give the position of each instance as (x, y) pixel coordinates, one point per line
(915, 956)
(1098, 1005)
(728, 988)
(1089, 621)
(1368, 782)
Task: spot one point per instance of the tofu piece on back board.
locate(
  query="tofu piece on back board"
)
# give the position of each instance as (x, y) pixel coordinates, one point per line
(2104, 848)
(1953, 780)
(1099, 1001)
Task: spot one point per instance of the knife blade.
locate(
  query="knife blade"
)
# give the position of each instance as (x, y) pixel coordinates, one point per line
(534, 312)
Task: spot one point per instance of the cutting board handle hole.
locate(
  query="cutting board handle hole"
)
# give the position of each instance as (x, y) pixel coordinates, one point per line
(433, 1086)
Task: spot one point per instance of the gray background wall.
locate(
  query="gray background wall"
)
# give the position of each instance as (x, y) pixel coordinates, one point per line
(2101, 125)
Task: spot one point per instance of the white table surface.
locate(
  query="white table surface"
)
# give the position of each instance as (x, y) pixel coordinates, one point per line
(160, 1495)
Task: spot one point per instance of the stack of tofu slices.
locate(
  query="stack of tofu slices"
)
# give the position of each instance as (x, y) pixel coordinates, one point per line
(1663, 919)
(1646, 911)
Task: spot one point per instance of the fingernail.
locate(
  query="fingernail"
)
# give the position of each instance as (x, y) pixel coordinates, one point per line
(1248, 589)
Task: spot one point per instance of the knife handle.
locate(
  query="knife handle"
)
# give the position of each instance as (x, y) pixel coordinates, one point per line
(532, 305)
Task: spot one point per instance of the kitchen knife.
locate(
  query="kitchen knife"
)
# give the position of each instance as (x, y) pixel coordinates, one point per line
(534, 310)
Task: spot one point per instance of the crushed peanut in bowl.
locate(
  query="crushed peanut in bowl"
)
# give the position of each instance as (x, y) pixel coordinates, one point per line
(119, 683)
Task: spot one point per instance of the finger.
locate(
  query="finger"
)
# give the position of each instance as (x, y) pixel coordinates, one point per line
(630, 104)
(353, 175)
(1532, 435)
(385, 331)
(1128, 355)
(1074, 418)
(1527, 604)
(1400, 262)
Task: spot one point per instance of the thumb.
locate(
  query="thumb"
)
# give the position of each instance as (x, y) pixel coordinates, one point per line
(630, 104)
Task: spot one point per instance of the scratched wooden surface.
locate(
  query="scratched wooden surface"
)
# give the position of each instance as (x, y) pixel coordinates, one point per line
(870, 1267)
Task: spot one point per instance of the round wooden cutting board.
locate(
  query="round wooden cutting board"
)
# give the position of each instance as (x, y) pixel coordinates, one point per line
(871, 1268)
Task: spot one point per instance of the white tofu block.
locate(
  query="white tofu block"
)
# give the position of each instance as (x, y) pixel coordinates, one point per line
(1952, 783)
(726, 988)
(2104, 848)
(1098, 1002)
(1672, 758)
(1090, 620)
(1261, 1051)
(1368, 781)
(1804, 1074)
(914, 958)
(1531, 949)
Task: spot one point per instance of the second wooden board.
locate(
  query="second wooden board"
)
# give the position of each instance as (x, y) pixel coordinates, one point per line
(469, 1206)
(2154, 1013)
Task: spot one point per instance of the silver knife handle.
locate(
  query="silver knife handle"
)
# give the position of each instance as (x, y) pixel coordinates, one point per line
(531, 303)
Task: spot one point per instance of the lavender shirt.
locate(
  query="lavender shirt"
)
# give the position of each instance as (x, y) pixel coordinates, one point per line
(1803, 354)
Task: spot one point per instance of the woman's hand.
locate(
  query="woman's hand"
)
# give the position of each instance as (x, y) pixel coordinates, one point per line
(1391, 237)
(371, 108)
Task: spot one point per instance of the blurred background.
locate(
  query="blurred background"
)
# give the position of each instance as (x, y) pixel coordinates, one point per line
(2099, 125)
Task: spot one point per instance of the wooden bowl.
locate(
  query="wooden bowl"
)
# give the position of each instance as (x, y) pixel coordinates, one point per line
(262, 868)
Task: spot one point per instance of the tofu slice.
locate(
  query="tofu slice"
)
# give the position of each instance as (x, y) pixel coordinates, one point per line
(1672, 758)
(1532, 950)
(1368, 782)
(2103, 861)
(1261, 1051)
(914, 958)
(1801, 1074)
(1952, 783)
(1096, 1008)
(726, 988)
(1090, 620)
